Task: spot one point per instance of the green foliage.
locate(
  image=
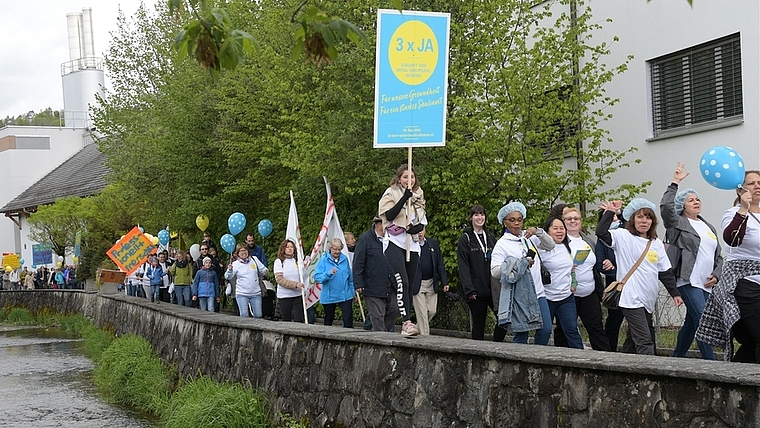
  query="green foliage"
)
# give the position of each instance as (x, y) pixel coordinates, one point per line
(317, 35)
(525, 121)
(58, 223)
(129, 373)
(203, 402)
(20, 316)
(47, 117)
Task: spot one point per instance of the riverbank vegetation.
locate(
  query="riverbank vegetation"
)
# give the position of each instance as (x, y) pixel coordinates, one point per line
(129, 373)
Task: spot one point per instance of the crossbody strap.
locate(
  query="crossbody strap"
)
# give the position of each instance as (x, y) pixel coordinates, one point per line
(638, 262)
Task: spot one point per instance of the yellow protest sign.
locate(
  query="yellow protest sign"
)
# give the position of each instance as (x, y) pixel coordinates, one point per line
(131, 251)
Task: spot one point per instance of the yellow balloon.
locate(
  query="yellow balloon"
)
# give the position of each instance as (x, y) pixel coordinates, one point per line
(174, 235)
(202, 222)
(59, 264)
(154, 240)
(8, 268)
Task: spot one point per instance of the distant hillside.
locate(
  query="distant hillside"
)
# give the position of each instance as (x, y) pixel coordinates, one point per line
(47, 117)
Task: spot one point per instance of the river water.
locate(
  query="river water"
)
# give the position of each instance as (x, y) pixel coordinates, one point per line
(45, 381)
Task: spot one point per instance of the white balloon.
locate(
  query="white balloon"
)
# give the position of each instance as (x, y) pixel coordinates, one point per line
(195, 251)
(60, 259)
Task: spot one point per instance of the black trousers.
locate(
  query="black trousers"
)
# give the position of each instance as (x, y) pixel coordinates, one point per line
(291, 308)
(590, 312)
(345, 307)
(403, 275)
(747, 329)
(478, 316)
(267, 305)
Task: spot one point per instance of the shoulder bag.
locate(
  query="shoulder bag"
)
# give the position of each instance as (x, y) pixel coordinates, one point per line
(611, 296)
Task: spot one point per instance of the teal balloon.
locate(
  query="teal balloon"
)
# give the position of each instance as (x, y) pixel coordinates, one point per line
(722, 167)
(236, 223)
(228, 243)
(265, 228)
(21, 261)
(163, 237)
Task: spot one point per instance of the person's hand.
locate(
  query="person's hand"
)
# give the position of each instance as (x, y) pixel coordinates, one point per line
(530, 262)
(359, 290)
(711, 281)
(678, 300)
(195, 297)
(229, 266)
(445, 288)
(679, 175)
(745, 198)
(607, 265)
(611, 205)
(474, 297)
(218, 299)
(333, 271)
(407, 194)
(530, 232)
(299, 286)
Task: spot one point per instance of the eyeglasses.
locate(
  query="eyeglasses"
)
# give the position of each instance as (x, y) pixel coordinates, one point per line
(572, 219)
(514, 220)
(204, 248)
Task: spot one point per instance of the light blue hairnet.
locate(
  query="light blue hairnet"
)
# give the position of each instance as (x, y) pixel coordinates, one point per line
(681, 198)
(509, 208)
(635, 205)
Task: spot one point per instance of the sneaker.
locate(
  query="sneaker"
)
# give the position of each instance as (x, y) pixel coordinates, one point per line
(408, 329)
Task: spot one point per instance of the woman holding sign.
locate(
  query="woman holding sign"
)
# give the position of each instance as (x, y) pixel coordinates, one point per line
(695, 255)
(588, 287)
(402, 209)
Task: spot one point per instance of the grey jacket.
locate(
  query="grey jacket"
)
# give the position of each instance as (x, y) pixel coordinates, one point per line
(684, 240)
(518, 306)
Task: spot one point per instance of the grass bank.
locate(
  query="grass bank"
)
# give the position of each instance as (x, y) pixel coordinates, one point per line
(129, 373)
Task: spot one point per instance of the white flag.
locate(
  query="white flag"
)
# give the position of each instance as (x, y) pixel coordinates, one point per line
(293, 233)
(330, 229)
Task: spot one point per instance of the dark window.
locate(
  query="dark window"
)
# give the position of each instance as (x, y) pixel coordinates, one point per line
(699, 85)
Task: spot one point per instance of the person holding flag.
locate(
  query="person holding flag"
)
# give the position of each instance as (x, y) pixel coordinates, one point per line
(334, 273)
(289, 285)
(402, 208)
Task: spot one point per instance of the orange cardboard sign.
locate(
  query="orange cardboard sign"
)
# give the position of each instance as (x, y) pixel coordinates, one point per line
(131, 251)
(114, 276)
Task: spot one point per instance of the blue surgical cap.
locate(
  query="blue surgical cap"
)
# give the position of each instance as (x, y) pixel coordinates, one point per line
(637, 204)
(681, 198)
(509, 208)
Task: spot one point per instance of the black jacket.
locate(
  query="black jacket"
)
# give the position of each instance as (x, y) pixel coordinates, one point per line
(439, 273)
(371, 271)
(474, 266)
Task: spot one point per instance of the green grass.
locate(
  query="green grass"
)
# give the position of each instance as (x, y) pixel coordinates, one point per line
(130, 374)
(203, 402)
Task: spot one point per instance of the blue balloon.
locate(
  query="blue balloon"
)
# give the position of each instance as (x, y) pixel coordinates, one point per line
(163, 237)
(142, 230)
(722, 167)
(236, 223)
(34, 266)
(265, 228)
(21, 261)
(228, 243)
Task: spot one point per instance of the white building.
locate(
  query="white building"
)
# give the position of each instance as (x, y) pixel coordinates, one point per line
(693, 84)
(28, 153)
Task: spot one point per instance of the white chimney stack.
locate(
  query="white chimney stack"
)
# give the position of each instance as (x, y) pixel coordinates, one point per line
(82, 75)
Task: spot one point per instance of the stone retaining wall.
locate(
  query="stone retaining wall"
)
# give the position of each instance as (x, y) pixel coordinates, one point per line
(354, 378)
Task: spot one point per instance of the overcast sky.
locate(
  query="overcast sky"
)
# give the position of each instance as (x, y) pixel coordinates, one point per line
(34, 44)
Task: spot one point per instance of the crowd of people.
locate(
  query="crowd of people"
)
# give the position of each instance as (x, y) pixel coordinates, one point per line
(63, 277)
(538, 282)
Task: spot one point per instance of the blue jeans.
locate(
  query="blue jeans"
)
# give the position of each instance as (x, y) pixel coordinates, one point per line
(206, 303)
(567, 318)
(694, 298)
(244, 301)
(131, 290)
(542, 335)
(183, 295)
(154, 292)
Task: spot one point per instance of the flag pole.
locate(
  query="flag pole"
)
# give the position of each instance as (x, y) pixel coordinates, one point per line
(409, 204)
(361, 308)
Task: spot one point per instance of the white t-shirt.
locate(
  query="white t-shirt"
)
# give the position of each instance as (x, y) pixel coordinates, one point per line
(643, 286)
(703, 265)
(750, 247)
(400, 240)
(289, 271)
(584, 273)
(560, 265)
(510, 245)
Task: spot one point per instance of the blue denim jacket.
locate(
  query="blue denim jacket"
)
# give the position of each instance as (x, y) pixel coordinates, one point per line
(518, 305)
